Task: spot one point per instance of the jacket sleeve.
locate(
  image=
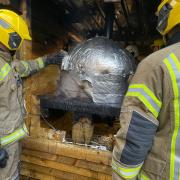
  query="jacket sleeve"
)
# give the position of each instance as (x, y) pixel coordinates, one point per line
(26, 68)
(138, 121)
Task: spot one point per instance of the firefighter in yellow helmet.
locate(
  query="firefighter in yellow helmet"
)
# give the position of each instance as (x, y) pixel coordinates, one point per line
(13, 31)
(147, 145)
(169, 20)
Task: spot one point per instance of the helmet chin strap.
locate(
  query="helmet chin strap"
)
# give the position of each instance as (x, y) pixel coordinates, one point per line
(12, 52)
(173, 36)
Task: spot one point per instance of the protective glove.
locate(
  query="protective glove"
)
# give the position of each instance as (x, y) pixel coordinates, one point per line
(3, 158)
(55, 58)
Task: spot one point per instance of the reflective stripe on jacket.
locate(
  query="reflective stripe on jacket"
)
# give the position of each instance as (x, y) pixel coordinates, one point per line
(148, 142)
(11, 97)
(13, 137)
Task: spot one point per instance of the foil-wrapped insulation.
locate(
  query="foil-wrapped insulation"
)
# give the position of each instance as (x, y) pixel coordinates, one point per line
(97, 71)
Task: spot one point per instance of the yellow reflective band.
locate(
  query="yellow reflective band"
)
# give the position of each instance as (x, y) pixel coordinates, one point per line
(13, 137)
(143, 177)
(146, 96)
(176, 113)
(175, 61)
(126, 173)
(144, 101)
(4, 71)
(40, 62)
(26, 66)
(148, 91)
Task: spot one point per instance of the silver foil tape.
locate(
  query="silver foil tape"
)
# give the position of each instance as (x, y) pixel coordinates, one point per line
(97, 70)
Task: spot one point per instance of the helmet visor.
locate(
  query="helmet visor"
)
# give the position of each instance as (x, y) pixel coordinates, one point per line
(163, 18)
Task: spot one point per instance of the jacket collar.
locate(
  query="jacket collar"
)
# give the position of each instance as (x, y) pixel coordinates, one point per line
(6, 56)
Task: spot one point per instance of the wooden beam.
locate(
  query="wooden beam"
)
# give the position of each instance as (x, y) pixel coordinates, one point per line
(68, 150)
(25, 51)
(5, 2)
(64, 167)
(36, 175)
(70, 161)
(77, 38)
(51, 157)
(53, 172)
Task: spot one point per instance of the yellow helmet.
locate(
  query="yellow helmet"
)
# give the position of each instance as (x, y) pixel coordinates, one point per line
(13, 29)
(168, 15)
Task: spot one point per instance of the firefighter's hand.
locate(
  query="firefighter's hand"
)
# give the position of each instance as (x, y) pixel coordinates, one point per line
(3, 158)
(56, 58)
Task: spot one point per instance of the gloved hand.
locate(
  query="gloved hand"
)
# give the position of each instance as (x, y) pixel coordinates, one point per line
(55, 58)
(3, 158)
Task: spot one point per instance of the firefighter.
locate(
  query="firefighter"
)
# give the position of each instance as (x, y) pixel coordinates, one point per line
(13, 31)
(147, 145)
